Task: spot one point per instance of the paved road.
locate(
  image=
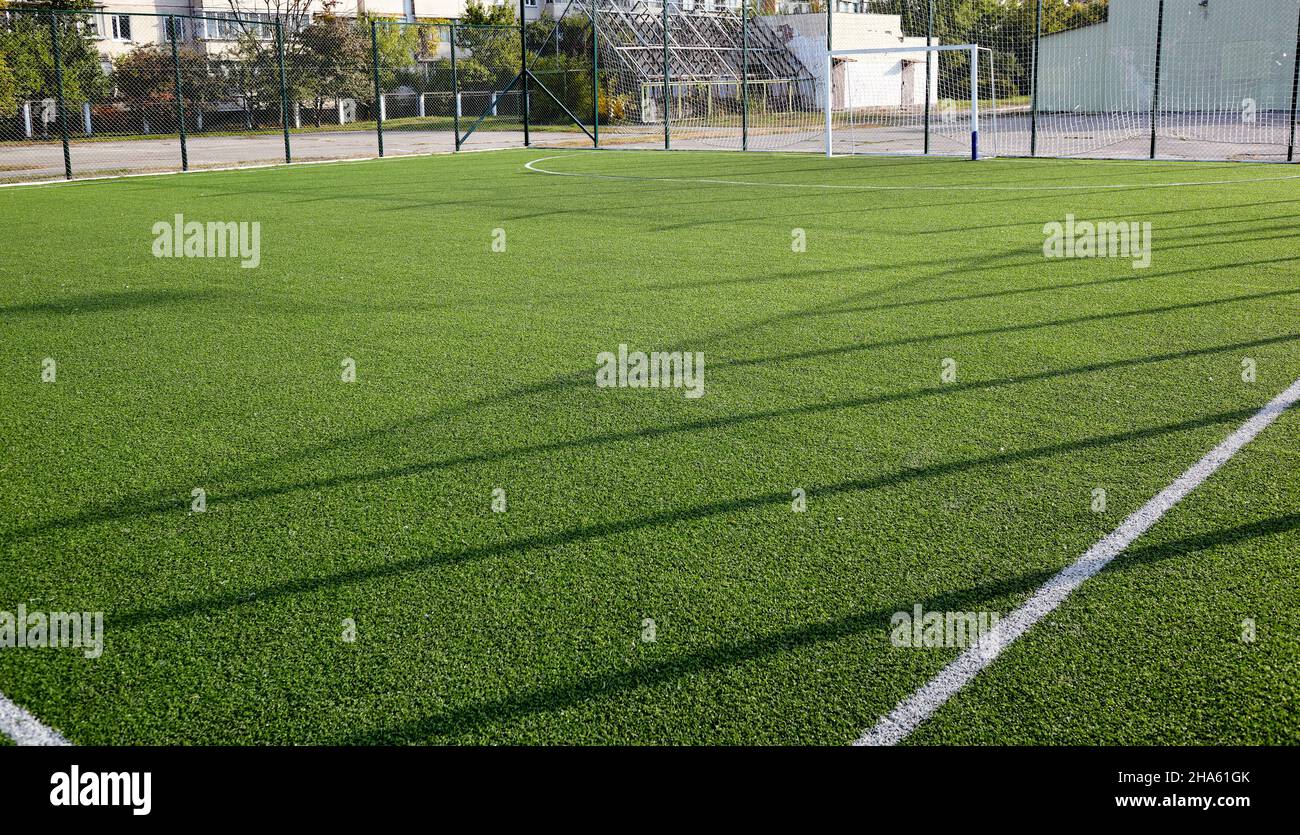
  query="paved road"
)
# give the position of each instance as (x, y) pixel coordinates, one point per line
(44, 160)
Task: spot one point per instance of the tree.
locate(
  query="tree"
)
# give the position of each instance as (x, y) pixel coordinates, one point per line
(253, 64)
(1059, 16)
(145, 79)
(485, 35)
(399, 45)
(8, 84)
(407, 56)
(331, 61)
(28, 53)
(8, 88)
(254, 73)
(497, 14)
(329, 57)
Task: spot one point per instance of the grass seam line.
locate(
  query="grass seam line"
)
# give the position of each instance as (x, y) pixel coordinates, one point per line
(24, 728)
(916, 708)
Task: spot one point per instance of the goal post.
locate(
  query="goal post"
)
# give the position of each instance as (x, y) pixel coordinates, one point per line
(874, 89)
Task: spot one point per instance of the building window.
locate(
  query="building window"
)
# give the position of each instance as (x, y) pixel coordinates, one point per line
(230, 27)
(121, 27)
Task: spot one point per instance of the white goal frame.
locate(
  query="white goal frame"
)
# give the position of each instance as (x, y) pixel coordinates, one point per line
(973, 49)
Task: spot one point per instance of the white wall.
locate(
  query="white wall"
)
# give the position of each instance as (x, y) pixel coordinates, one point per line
(877, 81)
(1213, 57)
(860, 81)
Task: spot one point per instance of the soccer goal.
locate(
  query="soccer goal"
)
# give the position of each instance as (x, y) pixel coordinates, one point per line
(909, 100)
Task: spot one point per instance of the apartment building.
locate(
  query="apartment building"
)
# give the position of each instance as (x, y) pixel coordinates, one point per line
(122, 24)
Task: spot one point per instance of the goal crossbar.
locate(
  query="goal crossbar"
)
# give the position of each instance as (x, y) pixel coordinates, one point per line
(973, 49)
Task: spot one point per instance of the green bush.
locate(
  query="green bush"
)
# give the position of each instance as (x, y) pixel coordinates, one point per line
(29, 57)
(8, 89)
(569, 80)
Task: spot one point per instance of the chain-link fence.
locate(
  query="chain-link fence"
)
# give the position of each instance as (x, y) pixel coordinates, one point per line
(1164, 79)
(85, 94)
(731, 75)
(418, 91)
(95, 93)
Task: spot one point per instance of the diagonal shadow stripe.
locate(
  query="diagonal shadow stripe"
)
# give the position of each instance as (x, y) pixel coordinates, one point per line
(160, 502)
(583, 533)
(603, 686)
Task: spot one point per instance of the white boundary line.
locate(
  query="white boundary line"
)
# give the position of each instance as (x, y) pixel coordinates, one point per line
(25, 729)
(532, 165)
(919, 706)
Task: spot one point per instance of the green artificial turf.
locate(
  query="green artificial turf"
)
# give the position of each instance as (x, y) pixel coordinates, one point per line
(476, 370)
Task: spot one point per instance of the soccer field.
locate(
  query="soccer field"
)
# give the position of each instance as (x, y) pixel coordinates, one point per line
(421, 519)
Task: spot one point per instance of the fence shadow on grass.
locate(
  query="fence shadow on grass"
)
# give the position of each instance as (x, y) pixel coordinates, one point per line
(583, 533)
(593, 688)
(163, 500)
(158, 501)
(839, 350)
(1145, 215)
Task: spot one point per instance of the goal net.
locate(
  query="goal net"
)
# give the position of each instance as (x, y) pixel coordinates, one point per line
(911, 100)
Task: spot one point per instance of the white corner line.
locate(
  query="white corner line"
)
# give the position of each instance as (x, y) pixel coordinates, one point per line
(25, 729)
(919, 706)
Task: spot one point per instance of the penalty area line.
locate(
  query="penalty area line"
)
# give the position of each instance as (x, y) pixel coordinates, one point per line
(916, 708)
(24, 728)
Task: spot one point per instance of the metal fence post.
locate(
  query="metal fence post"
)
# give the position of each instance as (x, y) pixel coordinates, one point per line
(929, 61)
(58, 81)
(744, 75)
(667, 89)
(180, 94)
(1295, 94)
(284, 88)
(1155, 86)
(595, 77)
(455, 89)
(523, 66)
(1033, 81)
(379, 95)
